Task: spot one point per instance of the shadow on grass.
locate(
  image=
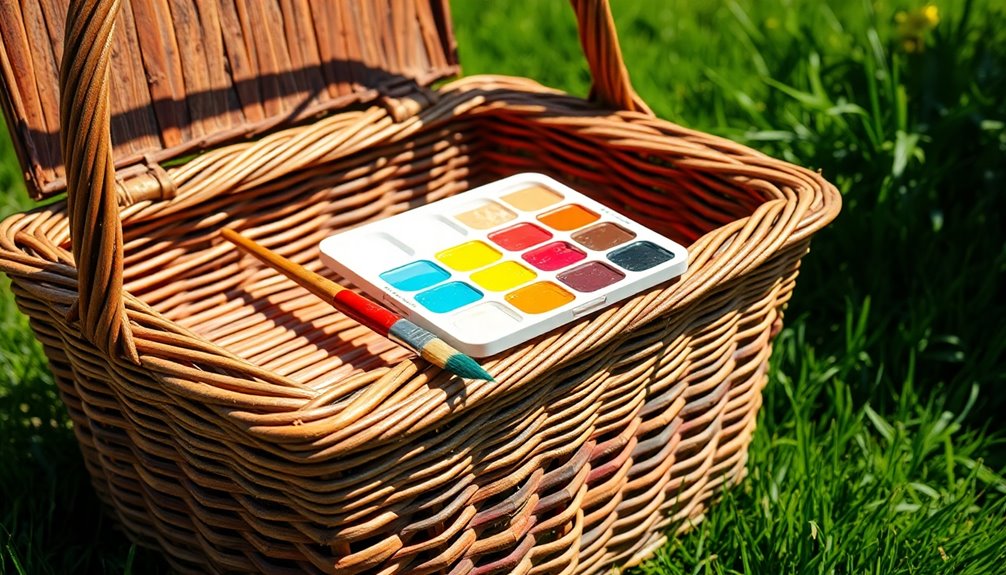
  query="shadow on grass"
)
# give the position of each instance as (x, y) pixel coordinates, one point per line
(50, 518)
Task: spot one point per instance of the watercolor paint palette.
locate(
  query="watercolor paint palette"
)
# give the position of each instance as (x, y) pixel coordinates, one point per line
(498, 265)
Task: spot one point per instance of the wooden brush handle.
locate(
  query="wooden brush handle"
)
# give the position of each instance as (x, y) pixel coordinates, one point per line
(315, 283)
(357, 307)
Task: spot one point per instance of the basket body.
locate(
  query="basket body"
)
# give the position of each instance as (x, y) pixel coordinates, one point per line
(595, 441)
(239, 424)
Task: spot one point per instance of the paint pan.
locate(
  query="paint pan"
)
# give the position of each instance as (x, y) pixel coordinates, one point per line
(493, 267)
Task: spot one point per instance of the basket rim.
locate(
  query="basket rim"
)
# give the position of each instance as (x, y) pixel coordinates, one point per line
(276, 408)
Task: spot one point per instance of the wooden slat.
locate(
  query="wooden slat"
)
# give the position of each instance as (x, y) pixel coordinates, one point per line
(270, 59)
(441, 35)
(54, 11)
(242, 61)
(188, 74)
(45, 64)
(404, 13)
(134, 129)
(434, 39)
(159, 50)
(203, 104)
(367, 34)
(327, 35)
(302, 46)
(24, 96)
(227, 106)
(349, 52)
(385, 29)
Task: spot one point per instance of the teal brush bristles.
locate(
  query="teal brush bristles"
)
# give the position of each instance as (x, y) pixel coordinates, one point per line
(368, 313)
(436, 351)
(466, 367)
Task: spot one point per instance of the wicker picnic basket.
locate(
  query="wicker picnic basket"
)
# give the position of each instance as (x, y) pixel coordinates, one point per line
(237, 423)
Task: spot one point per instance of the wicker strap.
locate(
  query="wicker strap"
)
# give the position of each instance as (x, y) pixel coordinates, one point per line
(95, 226)
(90, 175)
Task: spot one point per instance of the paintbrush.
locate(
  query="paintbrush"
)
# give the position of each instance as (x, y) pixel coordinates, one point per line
(366, 312)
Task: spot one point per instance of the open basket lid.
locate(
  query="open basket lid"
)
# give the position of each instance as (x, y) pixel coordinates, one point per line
(190, 75)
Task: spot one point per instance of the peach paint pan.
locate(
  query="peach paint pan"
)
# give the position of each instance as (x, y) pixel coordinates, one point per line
(493, 267)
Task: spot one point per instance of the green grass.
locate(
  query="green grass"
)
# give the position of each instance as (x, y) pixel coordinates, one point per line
(880, 445)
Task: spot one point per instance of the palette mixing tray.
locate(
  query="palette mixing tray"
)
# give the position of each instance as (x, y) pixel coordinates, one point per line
(495, 266)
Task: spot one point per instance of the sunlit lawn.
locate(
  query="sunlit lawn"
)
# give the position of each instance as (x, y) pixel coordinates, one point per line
(880, 444)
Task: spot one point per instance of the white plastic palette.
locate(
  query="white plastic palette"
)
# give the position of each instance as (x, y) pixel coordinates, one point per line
(495, 266)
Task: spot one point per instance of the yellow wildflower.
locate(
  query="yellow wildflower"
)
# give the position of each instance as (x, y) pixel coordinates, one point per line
(915, 25)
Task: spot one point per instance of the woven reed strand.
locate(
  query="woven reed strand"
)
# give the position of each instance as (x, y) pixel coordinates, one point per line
(262, 431)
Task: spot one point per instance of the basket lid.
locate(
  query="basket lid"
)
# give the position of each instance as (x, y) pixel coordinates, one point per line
(189, 75)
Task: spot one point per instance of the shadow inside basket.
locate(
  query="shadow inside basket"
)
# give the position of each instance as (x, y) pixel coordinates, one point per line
(176, 263)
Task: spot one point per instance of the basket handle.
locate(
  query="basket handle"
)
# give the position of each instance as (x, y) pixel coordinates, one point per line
(86, 144)
(611, 86)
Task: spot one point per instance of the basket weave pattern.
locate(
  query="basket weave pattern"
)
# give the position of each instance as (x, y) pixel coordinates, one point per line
(232, 420)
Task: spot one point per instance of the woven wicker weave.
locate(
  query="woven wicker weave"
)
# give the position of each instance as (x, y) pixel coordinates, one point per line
(238, 424)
